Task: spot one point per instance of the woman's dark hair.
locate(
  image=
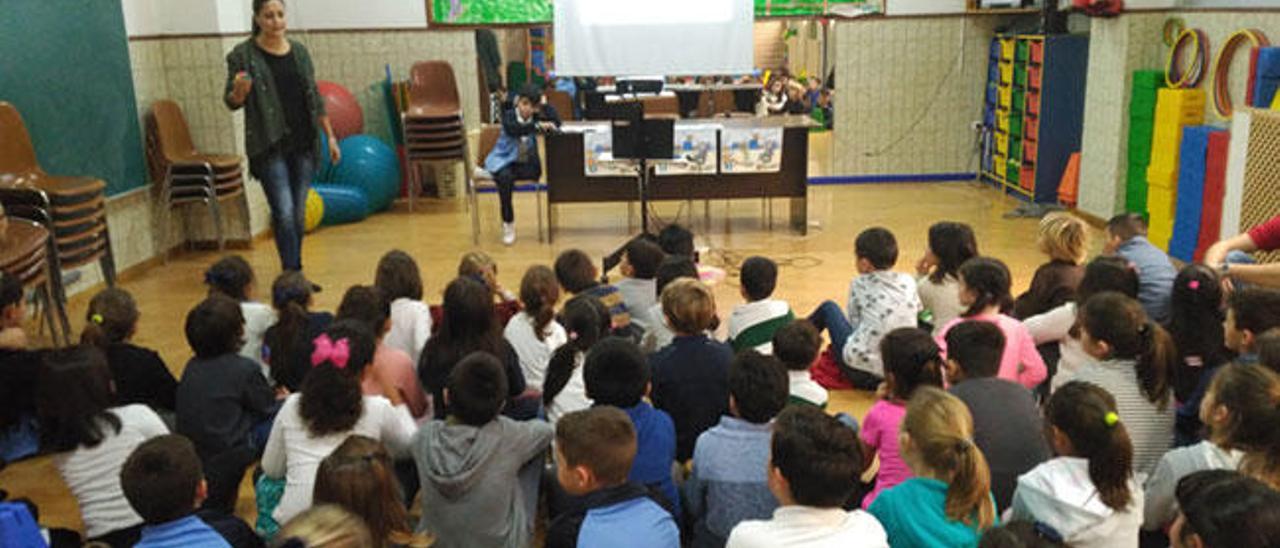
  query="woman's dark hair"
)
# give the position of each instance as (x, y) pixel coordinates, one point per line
(913, 359)
(215, 327)
(257, 8)
(1251, 394)
(1087, 415)
(111, 318)
(468, 325)
(989, 281)
(953, 244)
(360, 477)
(287, 347)
(587, 321)
(1196, 324)
(230, 276)
(73, 399)
(398, 276)
(1121, 322)
(1227, 509)
(539, 292)
(364, 303)
(331, 400)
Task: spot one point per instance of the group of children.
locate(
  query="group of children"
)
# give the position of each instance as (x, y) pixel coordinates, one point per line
(1056, 413)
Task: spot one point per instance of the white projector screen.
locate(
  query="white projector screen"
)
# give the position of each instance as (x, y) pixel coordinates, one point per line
(641, 37)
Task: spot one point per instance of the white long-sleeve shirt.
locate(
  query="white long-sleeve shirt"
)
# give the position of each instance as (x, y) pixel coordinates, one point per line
(93, 473)
(1055, 326)
(410, 327)
(294, 454)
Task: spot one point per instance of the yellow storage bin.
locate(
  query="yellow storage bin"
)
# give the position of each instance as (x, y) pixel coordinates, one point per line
(1006, 97)
(1007, 47)
(1002, 144)
(1006, 73)
(1000, 162)
(1002, 121)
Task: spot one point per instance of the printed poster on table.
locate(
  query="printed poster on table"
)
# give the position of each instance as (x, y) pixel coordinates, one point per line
(597, 155)
(694, 152)
(751, 150)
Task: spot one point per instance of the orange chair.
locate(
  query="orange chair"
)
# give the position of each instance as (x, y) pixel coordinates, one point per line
(432, 124)
(25, 249)
(187, 176)
(1069, 187)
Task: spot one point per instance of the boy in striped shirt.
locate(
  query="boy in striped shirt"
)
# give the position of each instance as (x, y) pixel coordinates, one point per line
(752, 325)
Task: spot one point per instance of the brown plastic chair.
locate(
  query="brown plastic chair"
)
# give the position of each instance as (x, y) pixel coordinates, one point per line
(59, 203)
(489, 134)
(433, 91)
(187, 176)
(432, 124)
(563, 103)
(24, 254)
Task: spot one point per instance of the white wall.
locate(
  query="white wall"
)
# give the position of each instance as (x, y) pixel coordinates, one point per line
(917, 7)
(169, 17)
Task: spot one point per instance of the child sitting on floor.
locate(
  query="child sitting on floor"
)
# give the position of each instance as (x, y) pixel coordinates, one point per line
(814, 464)
(984, 288)
(1065, 239)
(224, 403)
(577, 274)
(1127, 238)
(140, 376)
(950, 245)
(616, 373)
(640, 261)
(400, 282)
(752, 324)
(534, 332)
(587, 322)
(360, 477)
(287, 344)
(232, 277)
(1250, 313)
(594, 449)
(18, 375)
(729, 482)
(691, 375)
(391, 367)
(880, 301)
(477, 463)
(480, 266)
(672, 268)
(796, 345)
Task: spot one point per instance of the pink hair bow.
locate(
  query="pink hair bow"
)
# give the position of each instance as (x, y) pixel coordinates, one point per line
(328, 351)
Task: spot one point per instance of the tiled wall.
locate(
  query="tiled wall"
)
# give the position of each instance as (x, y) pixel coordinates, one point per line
(191, 71)
(1119, 46)
(908, 90)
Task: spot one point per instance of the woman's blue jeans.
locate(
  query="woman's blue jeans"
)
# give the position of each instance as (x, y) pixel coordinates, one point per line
(286, 177)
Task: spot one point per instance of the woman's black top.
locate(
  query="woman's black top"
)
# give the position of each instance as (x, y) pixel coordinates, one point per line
(291, 87)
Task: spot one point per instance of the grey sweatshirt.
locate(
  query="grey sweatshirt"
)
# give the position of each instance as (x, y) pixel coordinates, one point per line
(475, 491)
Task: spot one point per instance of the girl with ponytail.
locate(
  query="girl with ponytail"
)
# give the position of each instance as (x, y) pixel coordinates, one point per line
(232, 277)
(139, 374)
(949, 501)
(1088, 494)
(1240, 411)
(587, 321)
(984, 288)
(329, 409)
(286, 345)
(911, 360)
(533, 332)
(1135, 356)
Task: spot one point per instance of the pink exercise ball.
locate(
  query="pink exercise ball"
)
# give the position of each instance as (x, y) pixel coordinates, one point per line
(343, 108)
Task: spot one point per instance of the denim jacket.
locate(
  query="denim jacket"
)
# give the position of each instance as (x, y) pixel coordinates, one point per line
(264, 119)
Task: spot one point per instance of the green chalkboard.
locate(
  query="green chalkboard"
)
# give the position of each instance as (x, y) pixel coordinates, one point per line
(499, 12)
(66, 68)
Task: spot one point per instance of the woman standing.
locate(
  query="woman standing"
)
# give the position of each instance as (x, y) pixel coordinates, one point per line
(273, 79)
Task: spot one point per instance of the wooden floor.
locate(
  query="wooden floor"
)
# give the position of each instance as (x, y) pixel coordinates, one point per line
(812, 268)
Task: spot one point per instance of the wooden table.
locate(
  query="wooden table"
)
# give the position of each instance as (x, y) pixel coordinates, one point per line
(568, 183)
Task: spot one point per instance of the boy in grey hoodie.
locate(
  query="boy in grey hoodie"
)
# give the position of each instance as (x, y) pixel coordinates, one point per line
(479, 470)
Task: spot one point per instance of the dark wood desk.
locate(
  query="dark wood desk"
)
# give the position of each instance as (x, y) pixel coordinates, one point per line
(568, 183)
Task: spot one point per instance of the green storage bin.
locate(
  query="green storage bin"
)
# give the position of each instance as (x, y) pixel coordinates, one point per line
(1136, 189)
(1019, 100)
(1020, 75)
(1012, 173)
(1020, 53)
(1148, 79)
(1015, 125)
(1015, 150)
(1140, 136)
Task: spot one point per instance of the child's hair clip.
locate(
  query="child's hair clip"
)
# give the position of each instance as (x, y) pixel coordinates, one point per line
(1111, 419)
(1193, 285)
(97, 319)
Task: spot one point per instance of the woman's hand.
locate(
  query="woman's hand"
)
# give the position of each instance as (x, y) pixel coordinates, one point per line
(241, 87)
(335, 152)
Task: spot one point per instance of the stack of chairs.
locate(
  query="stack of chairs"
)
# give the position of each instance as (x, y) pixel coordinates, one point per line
(187, 176)
(432, 122)
(72, 209)
(25, 249)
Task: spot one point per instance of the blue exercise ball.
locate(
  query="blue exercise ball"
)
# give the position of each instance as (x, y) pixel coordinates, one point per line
(343, 203)
(369, 164)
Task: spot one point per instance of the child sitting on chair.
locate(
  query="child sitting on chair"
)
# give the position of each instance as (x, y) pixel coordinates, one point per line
(515, 155)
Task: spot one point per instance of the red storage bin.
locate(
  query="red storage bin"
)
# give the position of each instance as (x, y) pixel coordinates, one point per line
(1030, 127)
(1027, 178)
(1033, 101)
(1036, 52)
(1033, 76)
(1029, 150)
